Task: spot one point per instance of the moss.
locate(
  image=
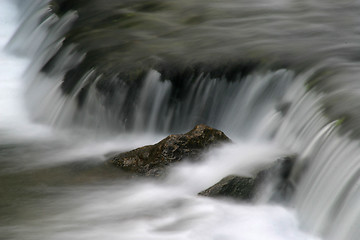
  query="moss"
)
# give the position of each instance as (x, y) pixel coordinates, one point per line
(309, 85)
(194, 20)
(150, 6)
(340, 121)
(319, 76)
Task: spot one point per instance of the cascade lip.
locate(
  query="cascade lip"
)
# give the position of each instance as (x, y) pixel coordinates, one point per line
(123, 40)
(127, 38)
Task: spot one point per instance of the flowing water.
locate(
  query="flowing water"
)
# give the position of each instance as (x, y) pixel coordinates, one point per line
(54, 183)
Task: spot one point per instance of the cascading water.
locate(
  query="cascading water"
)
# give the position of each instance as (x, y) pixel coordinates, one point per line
(54, 185)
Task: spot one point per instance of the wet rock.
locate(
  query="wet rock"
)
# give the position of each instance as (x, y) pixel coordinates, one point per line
(232, 186)
(275, 180)
(283, 107)
(151, 160)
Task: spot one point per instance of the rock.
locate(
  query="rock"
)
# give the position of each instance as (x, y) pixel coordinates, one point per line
(151, 160)
(275, 179)
(233, 187)
(283, 107)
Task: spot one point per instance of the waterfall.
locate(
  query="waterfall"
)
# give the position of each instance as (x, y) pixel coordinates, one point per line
(328, 167)
(56, 131)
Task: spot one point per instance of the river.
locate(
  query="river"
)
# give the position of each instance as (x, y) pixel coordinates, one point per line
(54, 183)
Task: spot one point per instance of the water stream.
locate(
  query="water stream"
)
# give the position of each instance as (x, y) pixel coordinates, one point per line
(54, 183)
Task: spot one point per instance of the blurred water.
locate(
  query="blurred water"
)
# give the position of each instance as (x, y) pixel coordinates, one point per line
(53, 180)
(53, 184)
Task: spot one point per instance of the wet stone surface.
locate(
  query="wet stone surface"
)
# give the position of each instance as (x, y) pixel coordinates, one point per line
(151, 160)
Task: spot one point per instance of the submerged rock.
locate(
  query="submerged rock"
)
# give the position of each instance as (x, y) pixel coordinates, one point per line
(274, 179)
(151, 160)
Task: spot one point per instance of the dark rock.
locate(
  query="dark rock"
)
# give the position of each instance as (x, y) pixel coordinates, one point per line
(283, 107)
(151, 160)
(281, 169)
(275, 179)
(232, 186)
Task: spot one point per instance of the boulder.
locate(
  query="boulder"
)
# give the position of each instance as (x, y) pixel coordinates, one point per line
(151, 160)
(275, 179)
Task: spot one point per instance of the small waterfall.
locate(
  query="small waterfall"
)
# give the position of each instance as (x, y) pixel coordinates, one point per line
(156, 108)
(150, 104)
(328, 166)
(277, 105)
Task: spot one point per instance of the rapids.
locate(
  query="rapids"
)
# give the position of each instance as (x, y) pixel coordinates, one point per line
(53, 180)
